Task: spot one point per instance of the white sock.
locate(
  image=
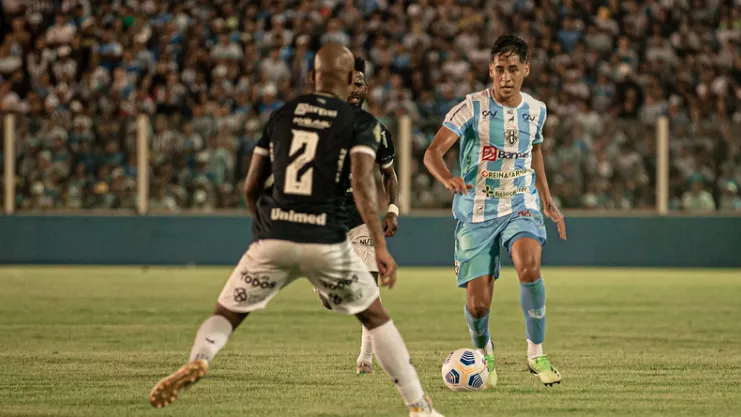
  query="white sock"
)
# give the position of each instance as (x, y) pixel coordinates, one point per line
(534, 350)
(211, 337)
(393, 356)
(366, 347)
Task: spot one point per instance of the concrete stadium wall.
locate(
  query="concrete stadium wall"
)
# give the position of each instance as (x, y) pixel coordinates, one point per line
(422, 241)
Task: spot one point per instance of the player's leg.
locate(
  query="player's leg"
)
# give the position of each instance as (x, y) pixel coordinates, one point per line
(524, 238)
(362, 244)
(342, 278)
(251, 286)
(477, 267)
(393, 356)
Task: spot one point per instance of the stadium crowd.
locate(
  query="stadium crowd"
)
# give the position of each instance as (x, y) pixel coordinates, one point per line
(210, 72)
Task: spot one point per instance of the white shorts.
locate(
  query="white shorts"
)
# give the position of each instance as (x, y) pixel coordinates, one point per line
(363, 244)
(335, 270)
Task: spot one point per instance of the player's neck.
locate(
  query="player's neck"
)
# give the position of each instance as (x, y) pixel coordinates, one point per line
(513, 101)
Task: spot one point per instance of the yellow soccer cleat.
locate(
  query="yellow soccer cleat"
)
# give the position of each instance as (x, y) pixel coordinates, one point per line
(167, 390)
(541, 367)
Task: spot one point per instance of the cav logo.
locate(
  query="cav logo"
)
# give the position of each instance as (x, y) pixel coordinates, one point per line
(488, 115)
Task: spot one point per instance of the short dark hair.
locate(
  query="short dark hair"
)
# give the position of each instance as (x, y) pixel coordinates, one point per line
(360, 64)
(510, 45)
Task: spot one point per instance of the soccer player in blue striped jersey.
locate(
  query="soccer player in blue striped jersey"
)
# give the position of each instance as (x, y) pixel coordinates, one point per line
(498, 198)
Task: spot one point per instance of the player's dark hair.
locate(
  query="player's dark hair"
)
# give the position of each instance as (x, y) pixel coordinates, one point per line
(360, 64)
(510, 45)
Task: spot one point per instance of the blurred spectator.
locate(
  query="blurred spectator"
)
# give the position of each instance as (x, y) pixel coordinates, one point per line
(209, 74)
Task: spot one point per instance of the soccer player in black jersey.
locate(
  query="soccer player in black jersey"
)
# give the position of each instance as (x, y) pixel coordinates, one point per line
(359, 234)
(309, 147)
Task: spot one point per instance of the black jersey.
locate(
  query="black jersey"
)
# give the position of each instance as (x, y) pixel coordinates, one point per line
(308, 141)
(384, 158)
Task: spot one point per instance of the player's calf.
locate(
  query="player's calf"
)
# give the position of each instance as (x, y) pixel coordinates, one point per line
(364, 363)
(210, 339)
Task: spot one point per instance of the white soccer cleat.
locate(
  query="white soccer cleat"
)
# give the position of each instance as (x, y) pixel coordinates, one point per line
(429, 412)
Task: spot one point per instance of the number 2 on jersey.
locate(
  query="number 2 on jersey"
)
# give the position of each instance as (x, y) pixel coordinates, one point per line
(304, 144)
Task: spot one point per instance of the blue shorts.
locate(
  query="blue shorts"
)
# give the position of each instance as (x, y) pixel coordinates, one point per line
(477, 244)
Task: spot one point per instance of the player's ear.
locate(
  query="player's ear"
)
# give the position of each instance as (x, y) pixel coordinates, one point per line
(491, 70)
(312, 79)
(527, 68)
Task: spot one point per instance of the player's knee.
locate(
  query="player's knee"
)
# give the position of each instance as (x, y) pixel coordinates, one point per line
(528, 269)
(374, 316)
(233, 317)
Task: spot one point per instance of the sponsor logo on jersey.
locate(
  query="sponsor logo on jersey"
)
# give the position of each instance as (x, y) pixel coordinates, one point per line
(525, 213)
(488, 115)
(492, 153)
(297, 217)
(505, 175)
(311, 123)
(528, 117)
(503, 192)
(305, 108)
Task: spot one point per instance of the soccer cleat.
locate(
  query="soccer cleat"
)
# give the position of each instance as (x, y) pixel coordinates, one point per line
(424, 411)
(491, 382)
(167, 390)
(541, 367)
(362, 368)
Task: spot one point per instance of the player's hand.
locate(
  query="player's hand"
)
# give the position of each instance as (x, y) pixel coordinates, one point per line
(457, 185)
(386, 268)
(390, 224)
(553, 213)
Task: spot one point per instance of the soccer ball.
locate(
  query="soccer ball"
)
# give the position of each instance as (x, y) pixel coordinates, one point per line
(465, 370)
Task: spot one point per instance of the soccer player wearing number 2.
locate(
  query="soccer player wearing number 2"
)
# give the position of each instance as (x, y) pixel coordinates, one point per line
(309, 147)
(498, 199)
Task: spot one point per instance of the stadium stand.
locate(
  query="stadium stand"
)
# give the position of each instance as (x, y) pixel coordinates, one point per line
(210, 73)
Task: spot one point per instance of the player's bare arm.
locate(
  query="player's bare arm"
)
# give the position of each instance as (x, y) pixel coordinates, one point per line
(364, 192)
(541, 184)
(255, 183)
(391, 188)
(441, 144)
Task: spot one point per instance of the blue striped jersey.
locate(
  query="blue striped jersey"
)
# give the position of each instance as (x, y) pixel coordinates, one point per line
(496, 155)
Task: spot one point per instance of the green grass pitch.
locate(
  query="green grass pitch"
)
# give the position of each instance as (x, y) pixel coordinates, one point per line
(640, 342)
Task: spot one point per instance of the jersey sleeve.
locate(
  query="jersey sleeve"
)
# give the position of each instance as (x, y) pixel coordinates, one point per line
(386, 153)
(368, 136)
(459, 118)
(263, 144)
(541, 122)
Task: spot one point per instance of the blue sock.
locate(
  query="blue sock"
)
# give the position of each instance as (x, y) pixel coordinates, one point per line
(532, 300)
(478, 328)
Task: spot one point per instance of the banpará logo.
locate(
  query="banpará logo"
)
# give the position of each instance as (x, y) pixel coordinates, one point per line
(492, 153)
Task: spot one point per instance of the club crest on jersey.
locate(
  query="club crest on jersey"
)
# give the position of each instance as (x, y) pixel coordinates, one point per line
(511, 135)
(492, 153)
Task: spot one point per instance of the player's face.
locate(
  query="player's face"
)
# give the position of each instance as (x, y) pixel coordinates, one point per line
(508, 73)
(358, 89)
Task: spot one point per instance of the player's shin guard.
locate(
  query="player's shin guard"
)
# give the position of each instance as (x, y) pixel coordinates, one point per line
(478, 328)
(211, 337)
(532, 300)
(392, 355)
